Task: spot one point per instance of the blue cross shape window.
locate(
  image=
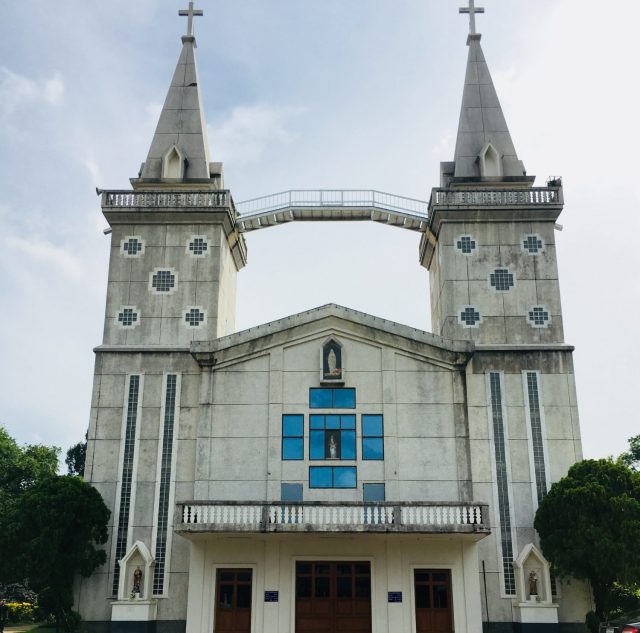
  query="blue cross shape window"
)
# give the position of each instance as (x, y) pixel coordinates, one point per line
(470, 316)
(466, 244)
(163, 281)
(198, 246)
(132, 246)
(502, 280)
(532, 244)
(128, 317)
(194, 317)
(538, 316)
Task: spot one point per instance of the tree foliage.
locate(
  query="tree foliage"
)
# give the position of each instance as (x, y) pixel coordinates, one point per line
(631, 458)
(20, 467)
(51, 526)
(76, 457)
(589, 526)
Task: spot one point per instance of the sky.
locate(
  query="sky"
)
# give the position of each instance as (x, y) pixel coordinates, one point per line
(309, 95)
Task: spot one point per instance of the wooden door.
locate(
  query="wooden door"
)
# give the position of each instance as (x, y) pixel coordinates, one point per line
(434, 608)
(233, 601)
(333, 597)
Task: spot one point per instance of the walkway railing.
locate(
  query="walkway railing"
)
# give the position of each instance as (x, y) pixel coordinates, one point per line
(496, 197)
(332, 205)
(168, 199)
(227, 516)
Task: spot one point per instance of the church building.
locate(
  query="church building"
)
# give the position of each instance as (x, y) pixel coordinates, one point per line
(331, 471)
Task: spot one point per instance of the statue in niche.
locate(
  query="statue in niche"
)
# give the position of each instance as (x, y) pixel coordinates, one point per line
(137, 582)
(533, 583)
(333, 448)
(332, 361)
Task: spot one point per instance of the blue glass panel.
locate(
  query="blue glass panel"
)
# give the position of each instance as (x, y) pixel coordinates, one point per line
(291, 492)
(316, 421)
(344, 477)
(320, 477)
(348, 421)
(316, 445)
(348, 445)
(320, 398)
(332, 422)
(372, 425)
(344, 398)
(372, 492)
(292, 425)
(372, 448)
(292, 448)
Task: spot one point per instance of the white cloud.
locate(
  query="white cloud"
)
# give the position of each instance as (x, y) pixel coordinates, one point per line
(249, 131)
(17, 91)
(42, 251)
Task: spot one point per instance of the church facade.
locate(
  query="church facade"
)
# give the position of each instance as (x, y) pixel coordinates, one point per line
(330, 471)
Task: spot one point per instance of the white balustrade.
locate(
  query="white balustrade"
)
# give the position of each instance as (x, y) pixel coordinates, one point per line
(532, 196)
(169, 199)
(325, 517)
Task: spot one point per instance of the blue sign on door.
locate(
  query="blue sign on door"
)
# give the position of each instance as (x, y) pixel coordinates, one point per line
(271, 596)
(395, 596)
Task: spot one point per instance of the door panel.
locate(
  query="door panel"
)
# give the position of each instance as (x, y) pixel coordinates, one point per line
(233, 601)
(333, 597)
(434, 609)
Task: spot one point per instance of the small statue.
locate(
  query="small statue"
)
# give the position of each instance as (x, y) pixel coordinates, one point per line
(333, 448)
(533, 584)
(137, 581)
(332, 363)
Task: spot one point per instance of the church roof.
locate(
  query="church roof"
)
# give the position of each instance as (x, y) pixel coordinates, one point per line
(482, 124)
(181, 126)
(303, 324)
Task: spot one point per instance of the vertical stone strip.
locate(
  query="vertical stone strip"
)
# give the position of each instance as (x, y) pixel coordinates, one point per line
(536, 435)
(164, 491)
(122, 534)
(502, 483)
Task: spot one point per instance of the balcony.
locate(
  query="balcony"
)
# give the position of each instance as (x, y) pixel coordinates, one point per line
(257, 517)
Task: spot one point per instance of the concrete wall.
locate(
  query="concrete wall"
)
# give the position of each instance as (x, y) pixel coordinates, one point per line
(458, 280)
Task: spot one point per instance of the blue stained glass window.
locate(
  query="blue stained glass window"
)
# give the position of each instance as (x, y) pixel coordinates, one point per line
(373, 492)
(332, 437)
(291, 492)
(348, 445)
(372, 425)
(316, 445)
(372, 437)
(320, 477)
(292, 425)
(332, 477)
(321, 398)
(327, 398)
(292, 437)
(344, 477)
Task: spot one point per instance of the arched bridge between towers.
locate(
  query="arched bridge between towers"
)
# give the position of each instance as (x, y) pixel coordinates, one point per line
(331, 205)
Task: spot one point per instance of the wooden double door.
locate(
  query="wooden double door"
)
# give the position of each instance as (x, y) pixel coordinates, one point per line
(233, 601)
(333, 597)
(434, 608)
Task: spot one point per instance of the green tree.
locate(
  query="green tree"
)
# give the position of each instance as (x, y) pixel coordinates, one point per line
(76, 457)
(632, 457)
(52, 532)
(589, 526)
(20, 467)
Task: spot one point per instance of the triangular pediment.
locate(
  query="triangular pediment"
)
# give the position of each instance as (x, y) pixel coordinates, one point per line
(327, 321)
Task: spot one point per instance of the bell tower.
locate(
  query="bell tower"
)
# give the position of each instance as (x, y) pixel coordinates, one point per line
(490, 246)
(175, 250)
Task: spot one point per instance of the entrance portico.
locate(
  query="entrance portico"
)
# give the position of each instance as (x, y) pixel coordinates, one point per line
(393, 562)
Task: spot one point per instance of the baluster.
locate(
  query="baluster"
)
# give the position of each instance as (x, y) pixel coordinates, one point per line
(185, 514)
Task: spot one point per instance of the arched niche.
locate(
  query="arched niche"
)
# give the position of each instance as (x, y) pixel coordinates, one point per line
(533, 576)
(173, 163)
(332, 362)
(136, 572)
(490, 162)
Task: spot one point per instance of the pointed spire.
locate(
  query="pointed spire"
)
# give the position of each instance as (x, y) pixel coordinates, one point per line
(180, 148)
(484, 148)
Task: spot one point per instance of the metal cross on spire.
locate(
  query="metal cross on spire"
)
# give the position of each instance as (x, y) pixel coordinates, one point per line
(190, 13)
(472, 10)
